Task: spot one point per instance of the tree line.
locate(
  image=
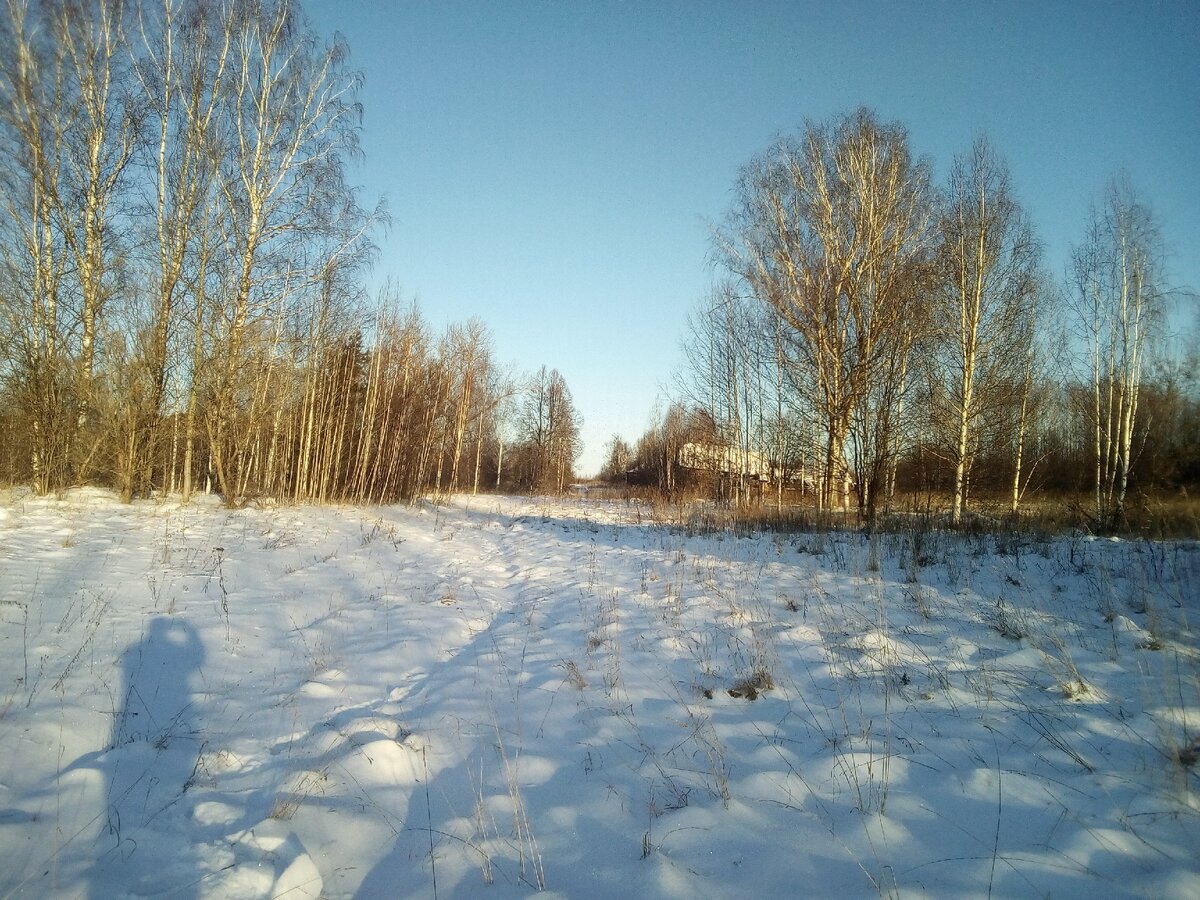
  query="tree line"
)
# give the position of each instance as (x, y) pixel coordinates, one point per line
(871, 331)
(183, 263)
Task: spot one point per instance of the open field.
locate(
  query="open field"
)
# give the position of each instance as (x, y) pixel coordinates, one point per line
(502, 695)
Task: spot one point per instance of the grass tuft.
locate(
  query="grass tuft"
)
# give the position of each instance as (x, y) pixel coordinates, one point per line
(752, 685)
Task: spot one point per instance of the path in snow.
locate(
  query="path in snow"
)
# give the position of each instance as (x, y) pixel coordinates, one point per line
(505, 694)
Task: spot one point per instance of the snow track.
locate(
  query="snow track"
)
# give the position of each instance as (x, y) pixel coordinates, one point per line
(503, 695)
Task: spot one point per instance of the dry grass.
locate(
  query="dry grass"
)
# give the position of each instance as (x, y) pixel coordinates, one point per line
(1154, 516)
(752, 685)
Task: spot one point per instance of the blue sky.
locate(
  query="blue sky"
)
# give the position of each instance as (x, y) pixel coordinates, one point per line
(554, 167)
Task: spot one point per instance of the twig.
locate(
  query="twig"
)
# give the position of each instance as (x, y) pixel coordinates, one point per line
(429, 822)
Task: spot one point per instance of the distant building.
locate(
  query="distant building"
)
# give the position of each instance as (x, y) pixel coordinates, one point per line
(724, 460)
(733, 462)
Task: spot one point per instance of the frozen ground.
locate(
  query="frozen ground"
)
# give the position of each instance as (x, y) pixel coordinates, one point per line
(503, 695)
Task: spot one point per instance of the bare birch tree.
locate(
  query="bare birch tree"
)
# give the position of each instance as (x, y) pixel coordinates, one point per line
(37, 324)
(827, 229)
(180, 73)
(293, 116)
(549, 427)
(987, 262)
(97, 147)
(1117, 291)
(618, 457)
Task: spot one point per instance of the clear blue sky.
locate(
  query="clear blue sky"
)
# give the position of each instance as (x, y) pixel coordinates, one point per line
(553, 167)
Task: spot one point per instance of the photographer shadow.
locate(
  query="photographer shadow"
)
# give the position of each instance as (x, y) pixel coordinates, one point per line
(149, 766)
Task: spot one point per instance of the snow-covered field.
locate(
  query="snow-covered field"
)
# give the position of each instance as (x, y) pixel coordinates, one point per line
(502, 695)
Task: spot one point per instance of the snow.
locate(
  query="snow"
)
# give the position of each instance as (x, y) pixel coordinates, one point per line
(498, 695)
